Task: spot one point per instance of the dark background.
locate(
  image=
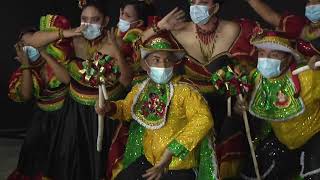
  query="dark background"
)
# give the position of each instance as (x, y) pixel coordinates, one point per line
(16, 14)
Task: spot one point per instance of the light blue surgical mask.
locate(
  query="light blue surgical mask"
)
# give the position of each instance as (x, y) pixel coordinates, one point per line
(124, 25)
(199, 14)
(32, 53)
(160, 75)
(313, 12)
(269, 67)
(92, 31)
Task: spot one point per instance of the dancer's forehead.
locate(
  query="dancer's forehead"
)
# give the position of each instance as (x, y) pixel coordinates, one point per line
(129, 13)
(272, 53)
(162, 55)
(91, 11)
(205, 2)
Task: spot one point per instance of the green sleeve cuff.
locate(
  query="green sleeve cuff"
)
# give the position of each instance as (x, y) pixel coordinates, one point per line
(178, 149)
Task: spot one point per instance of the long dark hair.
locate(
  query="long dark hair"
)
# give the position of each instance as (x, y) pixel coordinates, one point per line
(143, 10)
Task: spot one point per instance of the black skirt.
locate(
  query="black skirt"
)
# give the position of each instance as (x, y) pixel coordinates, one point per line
(34, 154)
(73, 155)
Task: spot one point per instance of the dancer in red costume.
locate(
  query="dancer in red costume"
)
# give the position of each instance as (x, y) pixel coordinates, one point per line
(211, 43)
(42, 77)
(304, 28)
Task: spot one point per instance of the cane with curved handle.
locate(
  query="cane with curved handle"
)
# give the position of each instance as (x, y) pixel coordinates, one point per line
(304, 68)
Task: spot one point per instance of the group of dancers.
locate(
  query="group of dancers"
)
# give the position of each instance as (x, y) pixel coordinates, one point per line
(167, 98)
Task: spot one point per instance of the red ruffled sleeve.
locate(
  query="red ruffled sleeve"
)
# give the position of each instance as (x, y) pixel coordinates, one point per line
(293, 24)
(242, 48)
(15, 85)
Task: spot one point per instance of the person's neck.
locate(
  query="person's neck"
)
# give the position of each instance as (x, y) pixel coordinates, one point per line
(212, 23)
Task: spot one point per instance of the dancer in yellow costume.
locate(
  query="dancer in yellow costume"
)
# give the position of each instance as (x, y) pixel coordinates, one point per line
(291, 103)
(170, 135)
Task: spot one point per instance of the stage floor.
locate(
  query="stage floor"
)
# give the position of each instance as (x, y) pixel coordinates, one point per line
(9, 153)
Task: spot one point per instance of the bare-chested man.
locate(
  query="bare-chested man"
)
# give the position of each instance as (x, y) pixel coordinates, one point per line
(210, 43)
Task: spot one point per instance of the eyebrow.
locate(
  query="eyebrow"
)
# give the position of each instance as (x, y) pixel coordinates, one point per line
(276, 51)
(90, 17)
(155, 56)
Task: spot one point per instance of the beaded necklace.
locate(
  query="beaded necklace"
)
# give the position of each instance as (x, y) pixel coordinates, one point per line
(207, 40)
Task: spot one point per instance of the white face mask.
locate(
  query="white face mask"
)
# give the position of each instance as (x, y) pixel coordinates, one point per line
(123, 25)
(92, 31)
(313, 12)
(199, 14)
(160, 75)
(269, 67)
(32, 53)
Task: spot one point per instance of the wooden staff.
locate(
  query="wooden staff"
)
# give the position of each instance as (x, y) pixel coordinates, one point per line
(253, 154)
(100, 120)
(229, 106)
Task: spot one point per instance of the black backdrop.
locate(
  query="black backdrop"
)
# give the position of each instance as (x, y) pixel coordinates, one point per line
(16, 14)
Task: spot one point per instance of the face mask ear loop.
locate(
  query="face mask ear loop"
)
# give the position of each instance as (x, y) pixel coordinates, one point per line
(149, 69)
(213, 13)
(136, 21)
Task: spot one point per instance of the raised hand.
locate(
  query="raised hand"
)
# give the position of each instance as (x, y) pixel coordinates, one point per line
(112, 43)
(22, 56)
(121, 13)
(314, 60)
(174, 20)
(75, 31)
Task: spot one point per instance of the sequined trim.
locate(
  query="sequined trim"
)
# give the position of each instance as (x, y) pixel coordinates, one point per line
(282, 112)
(143, 121)
(208, 169)
(134, 147)
(178, 149)
(82, 98)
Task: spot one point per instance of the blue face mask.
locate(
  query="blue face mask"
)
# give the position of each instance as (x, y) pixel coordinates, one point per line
(199, 14)
(161, 75)
(124, 25)
(313, 12)
(269, 67)
(92, 31)
(32, 53)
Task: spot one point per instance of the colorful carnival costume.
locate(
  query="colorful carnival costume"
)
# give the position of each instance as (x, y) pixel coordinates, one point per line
(76, 156)
(291, 105)
(231, 141)
(131, 51)
(172, 115)
(49, 96)
(130, 47)
(294, 26)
